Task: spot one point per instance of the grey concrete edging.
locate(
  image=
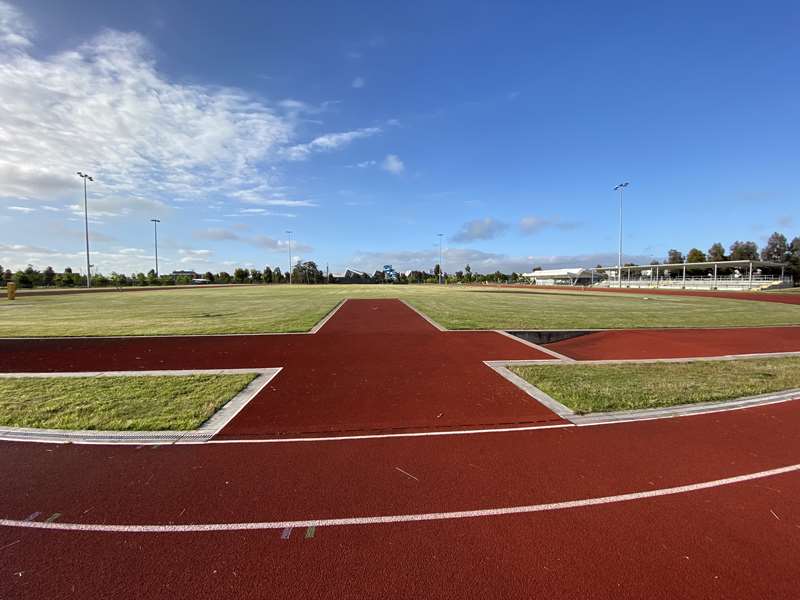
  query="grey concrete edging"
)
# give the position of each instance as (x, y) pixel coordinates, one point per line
(646, 414)
(202, 434)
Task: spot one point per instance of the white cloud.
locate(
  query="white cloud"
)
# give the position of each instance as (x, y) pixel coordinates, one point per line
(329, 141)
(531, 225)
(358, 82)
(481, 262)
(257, 196)
(363, 165)
(479, 229)
(393, 164)
(15, 30)
(104, 107)
(22, 209)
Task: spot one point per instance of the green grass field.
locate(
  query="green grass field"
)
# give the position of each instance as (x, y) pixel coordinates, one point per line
(601, 388)
(126, 403)
(261, 308)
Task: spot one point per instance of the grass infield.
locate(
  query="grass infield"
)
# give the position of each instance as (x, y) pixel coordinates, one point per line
(125, 403)
(283, 308)
(600, 388)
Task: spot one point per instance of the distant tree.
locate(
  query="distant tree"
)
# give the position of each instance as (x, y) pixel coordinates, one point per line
(459, 275)
(794, 259)
(437, 270)
(695, 256)
(151, 278)
(744, 251)
(48, 276)
(23, 280)
(141, 279)
(223, 277)
(674, 257)
(716, 253)
(209, 276)
(277, 276)
(776, 249)
(267, 276)
(255, 275)
(241, 275)
(7, 276)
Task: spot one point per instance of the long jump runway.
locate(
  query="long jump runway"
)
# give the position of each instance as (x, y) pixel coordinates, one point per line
(699, 507)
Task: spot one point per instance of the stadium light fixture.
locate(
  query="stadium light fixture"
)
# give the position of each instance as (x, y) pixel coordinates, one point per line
(621, 189)
(85, 176)
(155, 238)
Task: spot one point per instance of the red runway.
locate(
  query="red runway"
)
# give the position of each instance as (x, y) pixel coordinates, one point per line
(679, 343)
(791, 298)
(377, 365)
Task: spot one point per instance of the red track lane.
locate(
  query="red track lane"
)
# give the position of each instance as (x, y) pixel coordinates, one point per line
(735, 541)
(376, 365)
(679, 343)
(738, 541)
(793, 298)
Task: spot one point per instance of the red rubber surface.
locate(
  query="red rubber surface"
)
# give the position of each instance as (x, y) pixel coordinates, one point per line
(738, 541)
(375, 365)
(679, 343)
(793, 298)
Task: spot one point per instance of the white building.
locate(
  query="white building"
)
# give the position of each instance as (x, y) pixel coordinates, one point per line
(570, 276)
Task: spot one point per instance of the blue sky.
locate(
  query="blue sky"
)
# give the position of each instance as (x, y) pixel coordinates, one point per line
(368, 128)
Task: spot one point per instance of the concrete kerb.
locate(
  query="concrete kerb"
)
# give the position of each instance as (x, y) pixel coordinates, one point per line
(647, 414)
(311, 331)
(202, 434)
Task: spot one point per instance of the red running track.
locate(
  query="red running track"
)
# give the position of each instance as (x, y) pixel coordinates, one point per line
(735, 541)
(678, 343)
(375, 365)
(793, 298)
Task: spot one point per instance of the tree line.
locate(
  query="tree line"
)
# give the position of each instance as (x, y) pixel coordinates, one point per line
(777, 249)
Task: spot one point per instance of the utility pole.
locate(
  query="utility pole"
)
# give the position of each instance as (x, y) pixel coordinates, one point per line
(441, 269)
(621, 188)
(155, 237)
(85, 176)
(290, 256)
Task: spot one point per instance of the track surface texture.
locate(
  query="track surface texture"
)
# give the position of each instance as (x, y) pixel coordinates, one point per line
(756, 296)
(376, 365)
(678, 343)
(739, 540)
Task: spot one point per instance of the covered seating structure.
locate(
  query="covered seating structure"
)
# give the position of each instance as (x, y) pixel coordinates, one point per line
(710, 275)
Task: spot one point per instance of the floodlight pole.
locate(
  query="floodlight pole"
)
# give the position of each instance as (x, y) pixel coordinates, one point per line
(440, 258)
(155, 237)
(621, 188)
(290, 256)
(85, 176)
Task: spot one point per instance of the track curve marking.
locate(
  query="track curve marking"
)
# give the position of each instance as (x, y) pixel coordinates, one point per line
(405, 518)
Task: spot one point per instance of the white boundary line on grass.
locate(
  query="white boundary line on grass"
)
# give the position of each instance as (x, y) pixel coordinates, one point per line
(403, 518)
(426, 317)
(202, 434)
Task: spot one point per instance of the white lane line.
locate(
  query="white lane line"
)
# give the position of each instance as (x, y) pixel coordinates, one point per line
(407, 518)
(424, 316)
